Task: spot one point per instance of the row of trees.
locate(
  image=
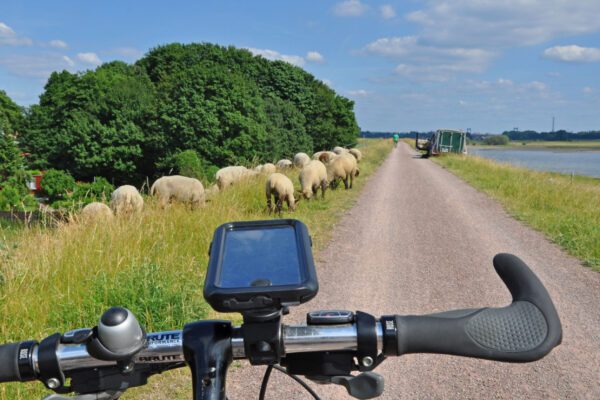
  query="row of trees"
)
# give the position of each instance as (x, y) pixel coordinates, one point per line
(217, 105)
(560, 135)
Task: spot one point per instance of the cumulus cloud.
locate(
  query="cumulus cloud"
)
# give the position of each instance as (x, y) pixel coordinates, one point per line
(315, 56)
(350, 8)
(277, 56)
(573, 53)
(358, 93)
(9, 37)
(506, 23)
(38, 66)
(89, 58)
(58, 44)
(387, 11)
(328, 82)
(587, 90)
(429, 62)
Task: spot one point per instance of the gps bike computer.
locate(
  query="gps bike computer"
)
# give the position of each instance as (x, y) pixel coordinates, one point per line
(260, 265)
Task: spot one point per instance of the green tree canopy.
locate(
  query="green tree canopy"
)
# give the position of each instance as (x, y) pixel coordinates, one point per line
(127, 122)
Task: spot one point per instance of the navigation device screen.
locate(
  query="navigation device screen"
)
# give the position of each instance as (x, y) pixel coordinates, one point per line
(260, 257)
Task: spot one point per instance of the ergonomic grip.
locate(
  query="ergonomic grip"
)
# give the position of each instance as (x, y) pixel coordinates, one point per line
(524, 331)
(9, 368)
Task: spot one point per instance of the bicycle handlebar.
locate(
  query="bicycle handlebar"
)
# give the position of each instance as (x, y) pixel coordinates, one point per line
(524, 331)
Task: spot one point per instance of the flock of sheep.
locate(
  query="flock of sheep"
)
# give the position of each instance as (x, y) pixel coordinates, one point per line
(326, 168)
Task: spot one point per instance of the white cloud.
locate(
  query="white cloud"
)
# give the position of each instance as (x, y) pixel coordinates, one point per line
(358, 93)
(487, 23)
(328, 82)
(587, 90)
(387, 11)
(315, 56)
(275, 55)
(89, 58)
(36, 66)
(68, 60)
(10, 38)
(423, 61)
(350, 8)
(536, 85)
(58, 44)
(505, 82)
(462, 103)
(573, 53)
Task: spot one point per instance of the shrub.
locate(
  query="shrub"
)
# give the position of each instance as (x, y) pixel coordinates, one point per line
(57, 184)
(87, 192)
(497, 140)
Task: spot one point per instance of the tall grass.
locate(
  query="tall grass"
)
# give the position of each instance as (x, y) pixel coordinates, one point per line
(565, 208)
(53, 280)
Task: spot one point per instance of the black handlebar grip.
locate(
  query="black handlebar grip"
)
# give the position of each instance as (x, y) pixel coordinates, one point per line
(9, 367)
(524, 331)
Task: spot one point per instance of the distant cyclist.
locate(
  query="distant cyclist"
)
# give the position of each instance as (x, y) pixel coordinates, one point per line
(396, 137)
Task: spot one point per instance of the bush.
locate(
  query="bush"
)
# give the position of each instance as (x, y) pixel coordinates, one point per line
(14, 196)
(188, 163)
(57, 184)
(99, 190)
(497, 140)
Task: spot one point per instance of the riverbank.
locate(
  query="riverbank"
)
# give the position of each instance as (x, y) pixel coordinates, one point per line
(565, 208)
(57, 279)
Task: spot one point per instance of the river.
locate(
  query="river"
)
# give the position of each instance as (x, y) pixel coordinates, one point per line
(567, 161)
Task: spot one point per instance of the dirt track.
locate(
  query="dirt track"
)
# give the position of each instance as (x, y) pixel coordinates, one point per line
(387, 259)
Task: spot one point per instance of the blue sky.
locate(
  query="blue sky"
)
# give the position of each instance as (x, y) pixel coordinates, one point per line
(487, 65)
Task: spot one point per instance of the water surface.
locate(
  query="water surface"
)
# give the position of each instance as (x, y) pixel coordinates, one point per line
(567, 161)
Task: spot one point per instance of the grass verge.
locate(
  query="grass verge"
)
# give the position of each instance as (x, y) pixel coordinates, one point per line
(566, 209)
(57, 279)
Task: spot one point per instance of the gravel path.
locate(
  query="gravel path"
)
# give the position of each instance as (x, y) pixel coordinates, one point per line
(387, 259)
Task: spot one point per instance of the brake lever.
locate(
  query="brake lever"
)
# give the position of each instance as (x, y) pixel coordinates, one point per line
(366, 385)
(108, 395)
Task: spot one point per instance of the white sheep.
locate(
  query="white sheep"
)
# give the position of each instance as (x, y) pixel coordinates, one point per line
(312, 177)
(342, 167)
(284, 164)
(126, 200)
(227, 176)
(211, 191)
(96, 212)
(324, 156)
(339, 150)
(267, 168)
(301, 159)
(281, 187)
(356, 153)
(179, 188)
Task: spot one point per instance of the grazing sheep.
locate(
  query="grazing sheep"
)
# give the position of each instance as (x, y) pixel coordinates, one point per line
(313, 176)
(267, 168)
(324, 156)
(211, 191)
(178, 188)
(229, 175)
(281, 187)
(356, 153)
(342, 167)
(301, 159)
(96, 212)
(339, 150)
(126, 200)
(283, 164)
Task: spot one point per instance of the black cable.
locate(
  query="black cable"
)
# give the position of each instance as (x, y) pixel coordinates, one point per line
(294, 377)
(265, 381)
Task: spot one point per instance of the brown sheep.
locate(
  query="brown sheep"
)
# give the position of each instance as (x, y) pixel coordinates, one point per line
(281, 187)
(312, 177)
